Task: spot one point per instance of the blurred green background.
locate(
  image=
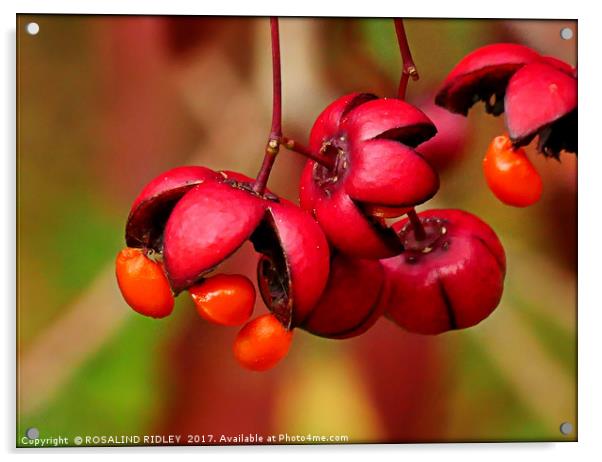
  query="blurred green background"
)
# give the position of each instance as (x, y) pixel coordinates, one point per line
(105, 103)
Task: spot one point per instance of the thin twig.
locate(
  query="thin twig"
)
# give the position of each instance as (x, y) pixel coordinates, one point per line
(297, 147)
(409, 68)
(273, 145)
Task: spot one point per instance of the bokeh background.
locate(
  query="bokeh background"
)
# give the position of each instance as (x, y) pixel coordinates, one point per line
(105, 103)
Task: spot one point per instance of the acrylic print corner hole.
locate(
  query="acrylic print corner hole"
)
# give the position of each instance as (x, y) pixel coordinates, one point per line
(566, 33)
(32, 28)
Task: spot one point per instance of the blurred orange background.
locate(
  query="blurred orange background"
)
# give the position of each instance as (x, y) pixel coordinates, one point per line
(105, 103)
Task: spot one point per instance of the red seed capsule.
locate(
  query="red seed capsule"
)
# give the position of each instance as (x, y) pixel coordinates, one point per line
(369, 143)
(452, 279)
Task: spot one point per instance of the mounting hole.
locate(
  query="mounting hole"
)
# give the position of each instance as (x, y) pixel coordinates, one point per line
(32, 28)
(566, 428)
(566, 33)
(32, 433)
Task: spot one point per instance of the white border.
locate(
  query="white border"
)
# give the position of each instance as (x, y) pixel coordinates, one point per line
(590, 192)
(440, 8)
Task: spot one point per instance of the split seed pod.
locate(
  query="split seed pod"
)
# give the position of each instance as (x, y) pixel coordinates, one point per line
(370, 143)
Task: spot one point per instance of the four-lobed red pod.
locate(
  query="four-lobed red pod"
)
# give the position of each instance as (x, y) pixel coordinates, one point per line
(368, 143)
(537, 93)
(451, 279)
(197, 218)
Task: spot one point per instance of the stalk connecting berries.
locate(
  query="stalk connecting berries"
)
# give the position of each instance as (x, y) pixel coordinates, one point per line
(333, 266)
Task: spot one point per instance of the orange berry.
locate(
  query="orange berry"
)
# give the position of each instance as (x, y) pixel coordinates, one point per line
(510, 174)
(143, 283)
(262, 343)
(226, 299)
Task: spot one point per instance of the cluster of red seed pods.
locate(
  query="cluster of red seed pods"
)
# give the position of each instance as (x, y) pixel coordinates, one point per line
(334, 265)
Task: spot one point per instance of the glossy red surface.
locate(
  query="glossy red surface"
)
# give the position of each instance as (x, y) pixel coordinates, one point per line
(482, 73)
(454, 283)
(361, 133)
(151, 208)
(538, 95)
(350, 304)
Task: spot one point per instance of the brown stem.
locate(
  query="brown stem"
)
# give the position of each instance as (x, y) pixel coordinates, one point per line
(409, 68)
(419, 231)
(295, 146)
(273, 145)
